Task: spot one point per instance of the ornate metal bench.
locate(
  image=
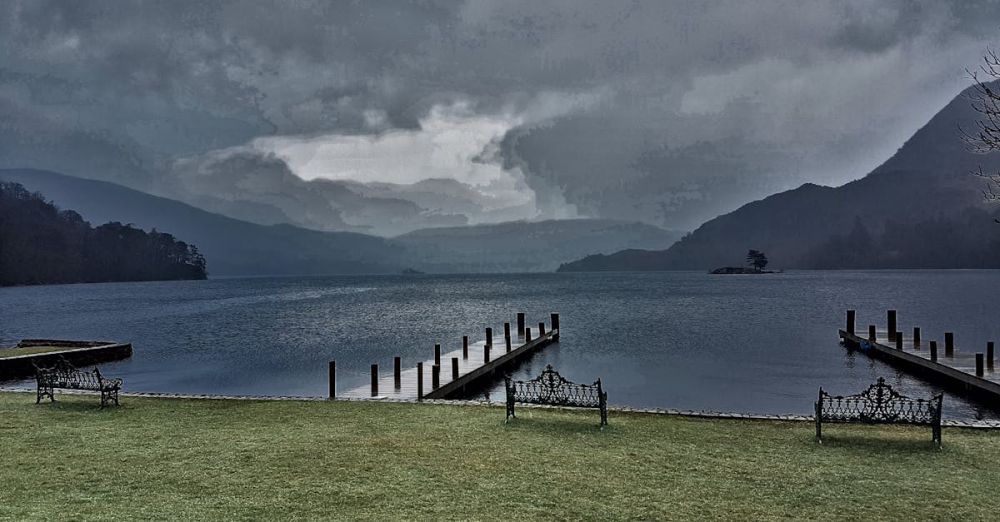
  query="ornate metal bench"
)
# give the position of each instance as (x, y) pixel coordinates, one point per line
(879, 404)
(63, 375)
(551, 388)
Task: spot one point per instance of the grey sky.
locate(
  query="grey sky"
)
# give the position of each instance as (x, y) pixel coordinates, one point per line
(667, 112)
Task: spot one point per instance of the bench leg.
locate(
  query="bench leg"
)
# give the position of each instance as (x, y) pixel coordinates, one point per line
(819, 422)
(44, 392)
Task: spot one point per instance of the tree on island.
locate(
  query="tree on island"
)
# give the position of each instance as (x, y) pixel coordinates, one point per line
(757, 259)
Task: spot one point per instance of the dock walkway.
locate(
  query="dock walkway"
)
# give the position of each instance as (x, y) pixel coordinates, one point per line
(971, 373)
(459, 370)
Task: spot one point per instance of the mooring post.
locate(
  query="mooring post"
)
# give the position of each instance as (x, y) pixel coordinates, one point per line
(375, 380)
(850, 321)
(989, 355)
(489, 337)
(465, 346)
(397, 372)
(520, 324)
(541, 329)
(437, 354)
(420, 381)
(949, 344)
(333, 379)
(486, 354)
(454, 368)
(871, 332)
(435, 376)
(899, 340)
(555, 326)
(507, 342)
(527, 335)
(934, 351)
(979, 365)
(891, 319)
(506, 335)
(916, 337)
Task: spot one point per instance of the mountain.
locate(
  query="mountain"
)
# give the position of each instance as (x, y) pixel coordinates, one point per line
(232, 247)
(42, 244)
(929, 177)
(236, 248)
(523, 246)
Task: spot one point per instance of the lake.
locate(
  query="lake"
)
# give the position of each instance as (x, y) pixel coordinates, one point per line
(689, 340)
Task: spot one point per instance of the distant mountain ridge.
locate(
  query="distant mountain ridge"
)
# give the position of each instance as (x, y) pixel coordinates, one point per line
(523, 246)
(232, 247)
(237, 248)
(928, 177)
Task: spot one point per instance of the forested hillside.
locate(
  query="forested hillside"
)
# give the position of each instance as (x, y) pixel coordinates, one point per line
(41, 244)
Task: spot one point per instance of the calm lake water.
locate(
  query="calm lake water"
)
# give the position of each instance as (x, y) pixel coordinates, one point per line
(761, 344)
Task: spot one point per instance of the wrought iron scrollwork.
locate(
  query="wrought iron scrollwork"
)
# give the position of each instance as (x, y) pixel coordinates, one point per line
(553, 389)
(879, 404)
(63, 375)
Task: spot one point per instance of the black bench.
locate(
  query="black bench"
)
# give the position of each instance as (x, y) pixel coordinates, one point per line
(879, 404)
(552, 389)
(63, 375)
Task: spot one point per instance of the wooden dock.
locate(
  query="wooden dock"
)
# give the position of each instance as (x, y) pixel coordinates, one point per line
(973, 374)
(460, 370)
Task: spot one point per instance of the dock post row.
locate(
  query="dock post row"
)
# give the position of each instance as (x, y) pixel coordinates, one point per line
(458, 381)
(969, 373)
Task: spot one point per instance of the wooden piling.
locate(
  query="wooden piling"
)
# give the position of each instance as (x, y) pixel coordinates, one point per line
(520, 324)
(437, 354)
(506, 335)
(979, 365)
(435, 376)
(527, 335)
(934, 351)
(989, 355)
(554, 323)
(489, 337)
(899, 340)
(871, 332)
(333, 379)
(454, 368)
(891, 320)
(949, 344)
(916, 337)
(851, 315)
(420, 381)
(465, 346)
(375, 380)
(397, 372)
(486, 354)
(541, 329)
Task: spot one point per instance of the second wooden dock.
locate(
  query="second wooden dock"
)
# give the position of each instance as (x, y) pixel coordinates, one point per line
(969, 373)
(454, 373)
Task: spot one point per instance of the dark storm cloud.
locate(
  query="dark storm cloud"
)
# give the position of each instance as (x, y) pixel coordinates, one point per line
(690, 108)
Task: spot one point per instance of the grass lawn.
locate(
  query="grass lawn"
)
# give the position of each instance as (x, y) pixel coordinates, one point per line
(199, 459)
(31, 350)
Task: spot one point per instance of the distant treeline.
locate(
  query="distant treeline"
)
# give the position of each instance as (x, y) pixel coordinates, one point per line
(970, 240)
(41, 244)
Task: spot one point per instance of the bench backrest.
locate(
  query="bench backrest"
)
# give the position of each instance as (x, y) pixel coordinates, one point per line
(551, 388)
(64, 373)
(879, 404)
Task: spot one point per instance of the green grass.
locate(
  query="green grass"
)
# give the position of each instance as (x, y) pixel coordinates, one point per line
(30, 350)
(198, 459)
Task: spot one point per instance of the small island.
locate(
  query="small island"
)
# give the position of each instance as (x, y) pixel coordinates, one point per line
(756, 261)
